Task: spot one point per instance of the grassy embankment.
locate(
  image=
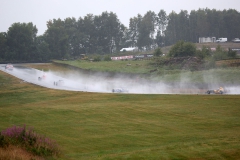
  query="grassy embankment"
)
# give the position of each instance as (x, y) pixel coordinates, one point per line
(223, 76)
(125, 126)
(125, 66)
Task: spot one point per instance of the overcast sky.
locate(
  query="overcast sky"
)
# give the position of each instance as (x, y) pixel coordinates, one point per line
(40, 11)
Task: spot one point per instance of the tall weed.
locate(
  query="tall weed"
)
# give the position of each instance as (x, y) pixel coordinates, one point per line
(30, 140)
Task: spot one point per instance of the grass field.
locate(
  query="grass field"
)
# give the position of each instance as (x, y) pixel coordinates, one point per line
(223, 76)
(125, 126)
(125, 66)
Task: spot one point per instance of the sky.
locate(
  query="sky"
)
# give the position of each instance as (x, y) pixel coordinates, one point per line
(40, 11)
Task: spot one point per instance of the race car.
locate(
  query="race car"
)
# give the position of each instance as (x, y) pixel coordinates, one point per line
(9, 67)
(119, 90)
(58, 83)
(42, 77)
(220, 90)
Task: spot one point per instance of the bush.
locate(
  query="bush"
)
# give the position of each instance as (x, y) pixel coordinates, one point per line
(158, 52)
(205, 52)
(183, 49)
(107, 58)
(219, 54)
(210, 63)
(28, 139)
(232, 54)
(97, 59)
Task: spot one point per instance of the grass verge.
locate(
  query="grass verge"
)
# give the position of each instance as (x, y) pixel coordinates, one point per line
(228, 76)
(123, 66)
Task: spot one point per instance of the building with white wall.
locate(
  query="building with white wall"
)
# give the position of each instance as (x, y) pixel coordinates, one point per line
(207, 39)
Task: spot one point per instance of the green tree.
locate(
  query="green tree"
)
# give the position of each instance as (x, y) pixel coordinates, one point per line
(115, 31)
(171, 30)
(21, 38)
(125, 40)
(219, 54)
(43, 52)
(231, 19)
(57, 39)
(205, 52)
(231, 53)
(182, 49)
(158, 52)
(178, 27)
(133, 33)
(202, 23)
(86, 39)
(146, 31)
(193, 27)
(162, 20)
(183, 26)
(107, 58)
(108, 31)
(3, 46)
(214, 20)
(70, 27)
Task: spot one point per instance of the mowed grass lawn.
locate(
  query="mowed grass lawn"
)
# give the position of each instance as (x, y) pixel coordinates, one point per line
(123, 66)
(125, 126)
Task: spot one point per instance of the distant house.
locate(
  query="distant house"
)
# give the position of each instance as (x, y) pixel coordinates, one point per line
(128, 49)
(207, 39)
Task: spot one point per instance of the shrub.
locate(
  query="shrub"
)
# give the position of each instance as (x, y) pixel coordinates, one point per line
(231, 53)
(182, 49)
(210, 63)
(97, 59)
(107, 58)
(158, 52)
(205, 52)
(219, 55)
(30, 140)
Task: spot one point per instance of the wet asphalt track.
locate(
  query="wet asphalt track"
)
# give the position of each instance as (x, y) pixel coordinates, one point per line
(99, 83)
(32, 75)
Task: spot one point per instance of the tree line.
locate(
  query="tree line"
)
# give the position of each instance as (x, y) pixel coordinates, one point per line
(105, 34)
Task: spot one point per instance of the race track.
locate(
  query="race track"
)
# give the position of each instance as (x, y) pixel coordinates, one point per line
(76, 81)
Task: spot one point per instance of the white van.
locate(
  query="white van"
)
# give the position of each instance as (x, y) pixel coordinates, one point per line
(221, 40)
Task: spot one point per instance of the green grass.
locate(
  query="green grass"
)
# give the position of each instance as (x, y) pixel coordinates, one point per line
(227, 75)
(125, 126)
(123, 66)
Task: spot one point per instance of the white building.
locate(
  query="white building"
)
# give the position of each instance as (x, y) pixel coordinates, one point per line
(207, 39)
